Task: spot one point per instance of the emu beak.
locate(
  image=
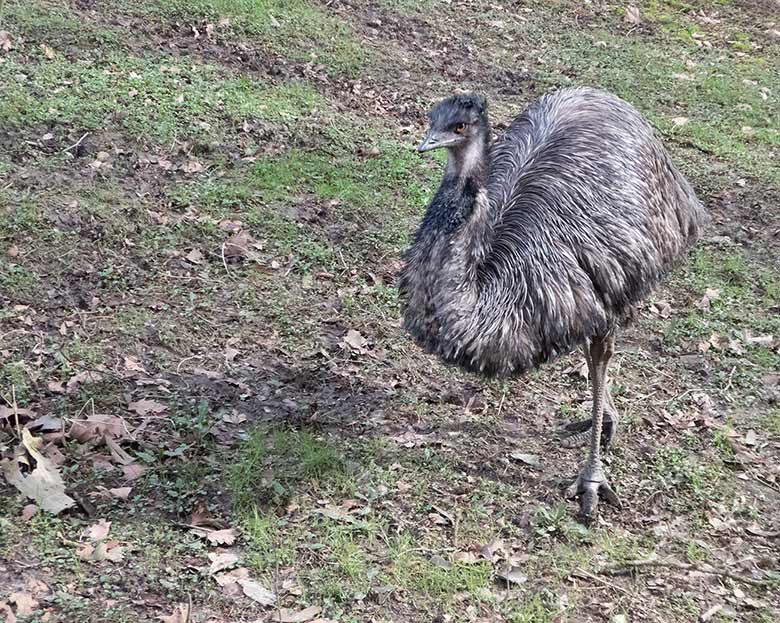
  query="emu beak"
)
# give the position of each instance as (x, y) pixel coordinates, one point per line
(432, 140)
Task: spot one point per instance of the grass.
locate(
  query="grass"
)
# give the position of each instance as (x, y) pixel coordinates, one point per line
(338, 478)
(160, 100)
(272, 464)
(297, 29)
(719, 93)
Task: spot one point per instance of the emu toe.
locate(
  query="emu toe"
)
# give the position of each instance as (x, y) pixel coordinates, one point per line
(590, 484)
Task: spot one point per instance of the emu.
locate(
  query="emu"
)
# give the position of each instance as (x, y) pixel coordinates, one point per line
(544, 240)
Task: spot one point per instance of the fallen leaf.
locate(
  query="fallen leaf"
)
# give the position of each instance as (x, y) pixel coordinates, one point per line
(98, 531)
(760, 340)
(194, 256)
(45, 424)
(220, 562)
(678, 121)
(5, 611)
(145, 407)
(132, 364)
(117, 453)
(6, 41)
(57, 387)
(231, 353)
(180, 615)
(233, 417)
(192, 166)
(237, 245)
(80, 379)
(29, 511)
(25, 603)
(101, 551)
(98, 426)
(529, 459)
(120, 493)
(133, 471)
(512, 575)
(44, 484)
(632, 15)
(710, 294)
(226, 536)
(8, 413)
(286, 615)
(47, 51)
(355, 340)
(231, 577)
(255, 590)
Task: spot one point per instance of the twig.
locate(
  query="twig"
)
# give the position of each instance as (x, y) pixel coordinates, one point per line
(15, 407)
(77, 143)
(681, 566)
(224, 263)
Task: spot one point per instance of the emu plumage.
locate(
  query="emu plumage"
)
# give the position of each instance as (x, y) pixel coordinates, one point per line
(544, 240)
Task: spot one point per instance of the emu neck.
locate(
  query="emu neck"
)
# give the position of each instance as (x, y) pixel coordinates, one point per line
(470, 162)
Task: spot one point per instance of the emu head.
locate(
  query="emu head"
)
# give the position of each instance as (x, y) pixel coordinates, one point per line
(456, 122)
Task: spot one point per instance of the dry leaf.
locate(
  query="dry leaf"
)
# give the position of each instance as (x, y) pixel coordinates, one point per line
(710, 294)
(678, 121)
(102, 551)
(98, 426)
(220, 562)
(145, 407)
(633, 16)
(80, 379)
(231, 577)
(133, 471)
(180, 615)
(5, 611)
(285, 615)
(6, 41)
(192, 166)
(255, 590)
(231, 353)
(355, 340)
(217, 537)
(44, 484)
(120, 493)
(99, 531)
(512, 575)
(237, 245)
(29, 511)
(47, 51)
(233, 417)
(529, 459)
(194, 256)
(132, 364)
(25, 604)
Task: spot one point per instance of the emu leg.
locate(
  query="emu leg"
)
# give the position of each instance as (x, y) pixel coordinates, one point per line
(591, 480)
(577, 434)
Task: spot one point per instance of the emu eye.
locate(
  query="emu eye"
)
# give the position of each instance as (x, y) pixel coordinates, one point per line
(460, 128)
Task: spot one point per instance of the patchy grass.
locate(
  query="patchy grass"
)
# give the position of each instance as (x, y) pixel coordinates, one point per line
(151, 99)
(361, 476)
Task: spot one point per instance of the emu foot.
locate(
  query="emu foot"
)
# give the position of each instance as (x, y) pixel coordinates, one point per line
(590, 484)
(577, 434)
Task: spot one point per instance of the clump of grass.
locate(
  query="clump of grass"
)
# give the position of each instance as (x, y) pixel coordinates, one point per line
(421, 575)
(269, 465)
(675, 470)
